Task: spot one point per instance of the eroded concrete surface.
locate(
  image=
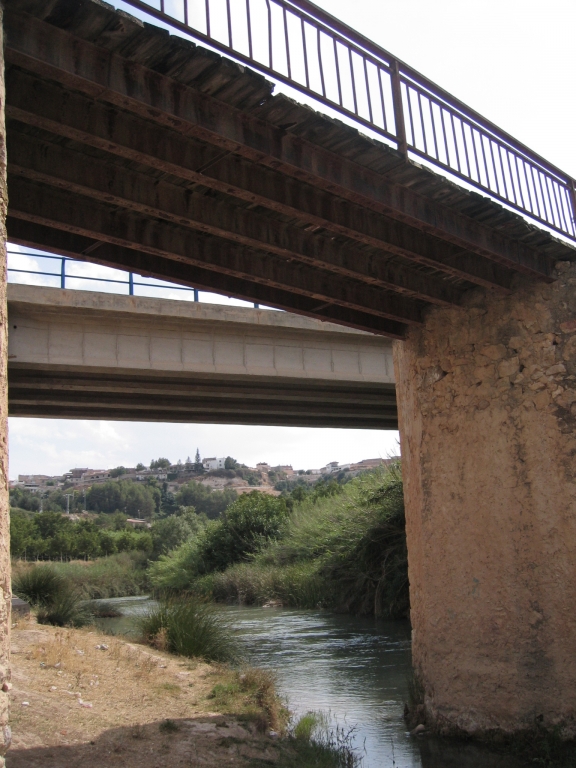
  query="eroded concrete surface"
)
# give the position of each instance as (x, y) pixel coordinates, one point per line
(487, 405)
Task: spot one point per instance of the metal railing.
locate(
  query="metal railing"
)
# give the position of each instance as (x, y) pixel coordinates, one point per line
(303, 46)
(131, 282)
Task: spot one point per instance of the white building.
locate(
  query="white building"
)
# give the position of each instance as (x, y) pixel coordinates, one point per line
(214, 463)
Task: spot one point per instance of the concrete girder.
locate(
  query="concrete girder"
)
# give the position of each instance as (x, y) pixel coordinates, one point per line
(53, 53)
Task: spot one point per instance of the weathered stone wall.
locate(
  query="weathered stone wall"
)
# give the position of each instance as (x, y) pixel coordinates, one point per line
(5, 594)
(487, 402)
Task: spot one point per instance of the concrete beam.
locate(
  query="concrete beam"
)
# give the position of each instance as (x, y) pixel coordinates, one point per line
(76, 354)
(77, 64)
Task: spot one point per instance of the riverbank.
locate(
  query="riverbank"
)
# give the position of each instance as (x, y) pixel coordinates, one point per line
(80, 697)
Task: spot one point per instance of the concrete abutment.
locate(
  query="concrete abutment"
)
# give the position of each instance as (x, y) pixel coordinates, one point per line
(487, 409)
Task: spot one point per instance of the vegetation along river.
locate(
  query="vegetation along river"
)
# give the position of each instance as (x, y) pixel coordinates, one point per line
(356, 670)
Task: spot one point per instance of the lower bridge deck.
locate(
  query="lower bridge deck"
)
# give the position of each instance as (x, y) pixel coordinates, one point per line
(88, 355)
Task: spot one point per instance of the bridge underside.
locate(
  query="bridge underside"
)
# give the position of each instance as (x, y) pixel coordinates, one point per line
(38, 391)
(135, 149)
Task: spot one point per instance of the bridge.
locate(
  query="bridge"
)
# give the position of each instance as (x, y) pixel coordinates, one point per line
(88, 355)
(165, 152)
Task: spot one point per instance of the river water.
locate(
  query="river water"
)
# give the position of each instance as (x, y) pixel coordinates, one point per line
(354, 670)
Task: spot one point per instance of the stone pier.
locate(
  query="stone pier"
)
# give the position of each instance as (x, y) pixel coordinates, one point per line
(5, 593)
(487, 409)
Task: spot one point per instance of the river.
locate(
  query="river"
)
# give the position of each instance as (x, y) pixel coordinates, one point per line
(354, 670)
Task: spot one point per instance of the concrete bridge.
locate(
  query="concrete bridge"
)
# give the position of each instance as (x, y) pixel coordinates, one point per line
(86, 355)
(133, 148)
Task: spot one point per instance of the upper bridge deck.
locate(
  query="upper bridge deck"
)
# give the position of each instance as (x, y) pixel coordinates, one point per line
(135, 148)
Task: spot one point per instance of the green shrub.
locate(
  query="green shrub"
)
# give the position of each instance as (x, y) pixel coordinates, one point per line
(66, 609)
(191, 628)
(248, 524)
(39, 585)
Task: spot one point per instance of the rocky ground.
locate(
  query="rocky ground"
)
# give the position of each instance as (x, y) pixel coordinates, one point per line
(81, 698)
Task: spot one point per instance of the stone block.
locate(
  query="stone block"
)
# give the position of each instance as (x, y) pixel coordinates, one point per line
(509, 367)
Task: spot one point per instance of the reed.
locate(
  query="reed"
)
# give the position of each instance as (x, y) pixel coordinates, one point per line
(189, 627)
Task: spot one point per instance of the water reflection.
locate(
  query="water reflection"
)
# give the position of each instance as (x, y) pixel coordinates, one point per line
(355, 669)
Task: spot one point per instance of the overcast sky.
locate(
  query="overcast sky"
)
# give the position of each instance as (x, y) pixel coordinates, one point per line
(514, 62)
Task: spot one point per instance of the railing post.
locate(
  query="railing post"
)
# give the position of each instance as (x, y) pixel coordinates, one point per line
(196, 295)
(63, 274)
(130, 283)
(399, 109)
(572, 188)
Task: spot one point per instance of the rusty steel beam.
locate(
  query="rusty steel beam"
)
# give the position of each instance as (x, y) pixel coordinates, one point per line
(32, 234)
(54, 54)
(64, 210)
(84, 175)
(75, 117)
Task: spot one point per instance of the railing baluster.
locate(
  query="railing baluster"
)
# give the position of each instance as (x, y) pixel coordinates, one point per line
(249, 26)
(270, 54)
(305, 49)
(63, 273)
(229, 15)
(208, 30)
(382, 102)
(353, 80)
(368, 91)
(338, 73)
(130, 283)
(287, 43)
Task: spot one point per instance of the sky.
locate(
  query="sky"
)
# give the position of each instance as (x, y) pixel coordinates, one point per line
(513, 61)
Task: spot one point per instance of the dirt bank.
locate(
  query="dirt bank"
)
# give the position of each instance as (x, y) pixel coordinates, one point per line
(80, 698)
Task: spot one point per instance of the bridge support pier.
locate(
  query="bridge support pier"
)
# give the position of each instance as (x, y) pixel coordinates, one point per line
(5, 589)
(487, 406)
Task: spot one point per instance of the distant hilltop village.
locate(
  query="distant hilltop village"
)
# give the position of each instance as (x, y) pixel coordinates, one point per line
(213, 472)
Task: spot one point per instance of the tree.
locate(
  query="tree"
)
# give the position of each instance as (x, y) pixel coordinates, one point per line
(230, 463)
(123, 496)
(197, 459)
(117, 471)
(140, 467)
(161, 463)
(204, 499)
(250, 522)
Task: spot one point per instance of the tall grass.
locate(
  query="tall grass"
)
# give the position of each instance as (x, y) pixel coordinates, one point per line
(299, 584)
(38, 584)
(118, 575)
(313, 744)
(189, 627)
(57, 601)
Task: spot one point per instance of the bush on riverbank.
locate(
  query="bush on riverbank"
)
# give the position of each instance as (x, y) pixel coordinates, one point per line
(55, 597)
(189, 628)
(345, 551)
(247, 526)
(115, 576)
